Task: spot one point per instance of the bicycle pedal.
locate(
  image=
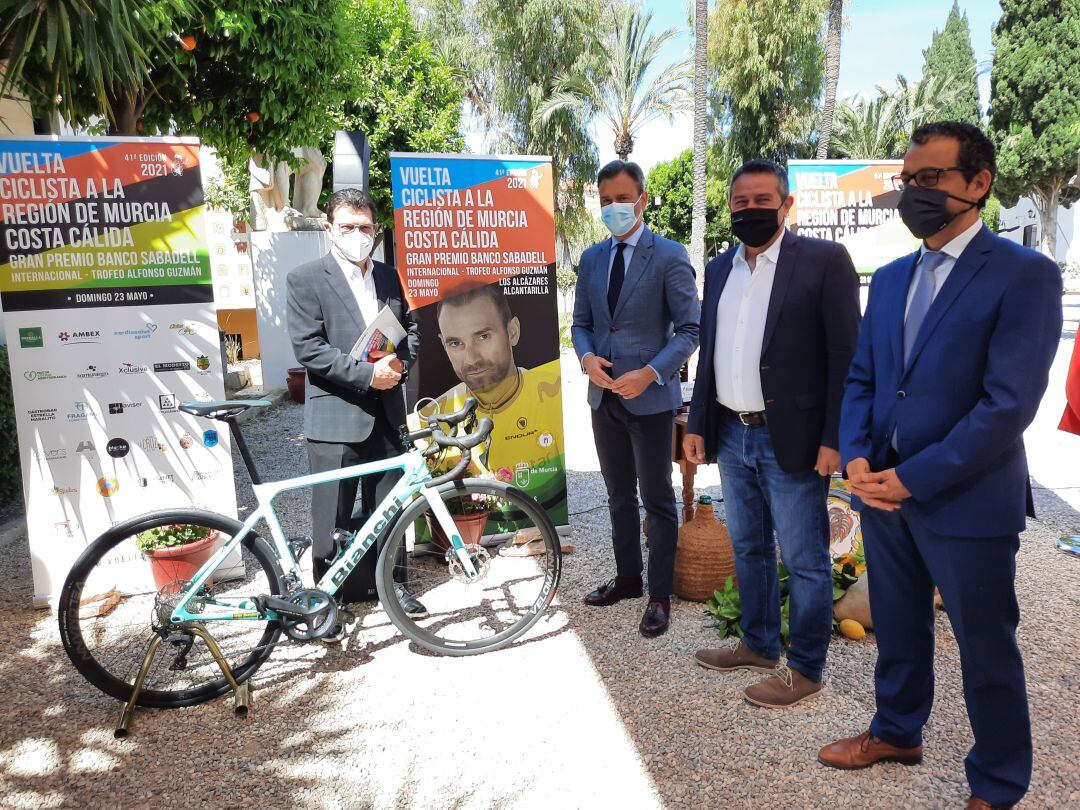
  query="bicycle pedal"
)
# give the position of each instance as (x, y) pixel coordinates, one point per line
(298, 545)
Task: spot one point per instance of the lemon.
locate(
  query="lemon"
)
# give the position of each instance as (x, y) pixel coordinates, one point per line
(852, 629)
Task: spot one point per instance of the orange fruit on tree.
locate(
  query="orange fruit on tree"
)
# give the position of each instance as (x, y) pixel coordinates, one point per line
(187, 42)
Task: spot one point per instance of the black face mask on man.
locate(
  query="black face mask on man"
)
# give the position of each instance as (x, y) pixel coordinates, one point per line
(924, 210)
(755, 226)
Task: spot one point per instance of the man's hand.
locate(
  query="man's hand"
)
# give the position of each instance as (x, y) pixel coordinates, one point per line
(693, 448)
(595, 367)
(384, 376)
(828, 461)
(632, 383)
(881, 490)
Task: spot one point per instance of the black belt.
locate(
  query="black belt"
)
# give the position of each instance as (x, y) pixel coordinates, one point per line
(748, 418)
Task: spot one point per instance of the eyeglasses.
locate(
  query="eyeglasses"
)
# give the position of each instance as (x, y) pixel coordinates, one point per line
(346, 230)
(924, 178)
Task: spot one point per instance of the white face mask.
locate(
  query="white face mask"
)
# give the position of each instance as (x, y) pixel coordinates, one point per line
(356, 246)
(619, 217)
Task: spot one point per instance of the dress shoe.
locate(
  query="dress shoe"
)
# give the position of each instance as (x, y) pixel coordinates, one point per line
(657, 617)
(729, 659)
(615, 590)
(975, 803)
(785, 687)
(853, 753)
(412, 606)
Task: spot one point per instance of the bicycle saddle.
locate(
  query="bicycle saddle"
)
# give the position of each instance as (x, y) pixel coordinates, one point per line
(221, 409)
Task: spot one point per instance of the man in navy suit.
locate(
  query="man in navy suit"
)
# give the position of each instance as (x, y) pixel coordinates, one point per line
(635, 325)
(956, 347)
(778, 325)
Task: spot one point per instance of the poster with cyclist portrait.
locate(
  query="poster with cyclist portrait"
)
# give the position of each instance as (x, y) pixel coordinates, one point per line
(110, 323)
(475, 250)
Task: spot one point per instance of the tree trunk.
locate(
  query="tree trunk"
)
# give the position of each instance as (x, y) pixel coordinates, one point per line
(832, 75)
(701, 93)
(624, 145)
(1046, 200)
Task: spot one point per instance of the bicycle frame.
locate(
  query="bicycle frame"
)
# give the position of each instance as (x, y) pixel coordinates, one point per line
(415, 476)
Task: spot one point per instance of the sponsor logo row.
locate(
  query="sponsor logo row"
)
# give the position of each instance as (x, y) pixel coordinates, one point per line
(33, 337)
(201, 366)
(81, 410)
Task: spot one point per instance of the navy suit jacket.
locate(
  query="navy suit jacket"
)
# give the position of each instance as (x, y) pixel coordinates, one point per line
(810, 332)
(655, 320)
(973, 383)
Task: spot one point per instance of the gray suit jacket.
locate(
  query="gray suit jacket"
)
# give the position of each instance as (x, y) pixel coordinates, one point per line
(655, 321)
(324, 323)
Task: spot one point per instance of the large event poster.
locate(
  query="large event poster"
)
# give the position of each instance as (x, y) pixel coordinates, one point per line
(109, 311)
(475, 249)
(852, 202)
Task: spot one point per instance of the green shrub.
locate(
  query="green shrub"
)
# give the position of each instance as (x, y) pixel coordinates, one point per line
(10, 475)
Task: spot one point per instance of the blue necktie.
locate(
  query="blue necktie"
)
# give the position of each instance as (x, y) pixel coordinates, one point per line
(923, 298)
(615, 282)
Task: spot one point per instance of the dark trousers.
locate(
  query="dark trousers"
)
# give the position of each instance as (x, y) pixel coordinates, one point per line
(759, 498)
(976, 576)
(348, 503)
(635, 451)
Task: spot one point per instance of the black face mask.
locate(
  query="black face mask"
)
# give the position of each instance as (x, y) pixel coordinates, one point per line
(924, 210)
(755, 226)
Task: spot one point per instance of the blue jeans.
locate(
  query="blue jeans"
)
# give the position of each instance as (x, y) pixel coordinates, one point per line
(758, 498)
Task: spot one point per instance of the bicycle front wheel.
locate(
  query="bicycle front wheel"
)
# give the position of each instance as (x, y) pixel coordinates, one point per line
(113, 605)
(514, 576)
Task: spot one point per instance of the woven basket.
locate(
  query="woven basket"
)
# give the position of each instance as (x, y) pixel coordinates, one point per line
(704, 558)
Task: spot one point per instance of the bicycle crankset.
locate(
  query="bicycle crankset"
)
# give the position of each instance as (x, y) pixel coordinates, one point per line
(305, 615)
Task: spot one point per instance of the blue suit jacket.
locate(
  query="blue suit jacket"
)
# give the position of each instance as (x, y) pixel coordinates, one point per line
(973, 383)
(655, 321)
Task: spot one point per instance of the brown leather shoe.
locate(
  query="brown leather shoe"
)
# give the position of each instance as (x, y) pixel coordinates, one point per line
(729, 659)
(975, 803)
(785, 687)
(615, 590)
(853, 753)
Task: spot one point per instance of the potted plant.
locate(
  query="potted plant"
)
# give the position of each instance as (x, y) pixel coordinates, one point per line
(229, 193)
(177, 551)
(469, 513)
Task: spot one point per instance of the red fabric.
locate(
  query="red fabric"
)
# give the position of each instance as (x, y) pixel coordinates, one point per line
(1070, 421)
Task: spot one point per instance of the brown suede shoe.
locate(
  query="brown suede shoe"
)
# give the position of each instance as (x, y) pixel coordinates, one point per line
(729, 659)
(853, 753)
(785, 687)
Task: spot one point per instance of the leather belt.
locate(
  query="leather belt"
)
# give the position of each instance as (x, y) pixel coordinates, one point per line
(748, 418)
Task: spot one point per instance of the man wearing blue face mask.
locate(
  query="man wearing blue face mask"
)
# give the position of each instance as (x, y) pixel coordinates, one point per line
(952, 362)
(635, 325)
(353, 409)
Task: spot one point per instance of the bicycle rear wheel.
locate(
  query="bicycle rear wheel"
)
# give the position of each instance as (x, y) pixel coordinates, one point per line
(465, 616)
(106, 626)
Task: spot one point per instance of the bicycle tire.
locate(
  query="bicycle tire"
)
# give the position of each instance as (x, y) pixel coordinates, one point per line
(396, 538)
(84, 660)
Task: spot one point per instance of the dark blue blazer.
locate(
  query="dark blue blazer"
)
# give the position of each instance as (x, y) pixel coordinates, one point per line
(973, 383)
(810, 332)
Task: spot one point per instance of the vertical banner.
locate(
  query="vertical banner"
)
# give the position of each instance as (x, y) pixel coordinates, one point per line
(109, 311)
(852, 202)
(475, 245)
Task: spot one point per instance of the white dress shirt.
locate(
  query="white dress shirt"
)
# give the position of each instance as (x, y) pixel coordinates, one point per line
(362, 285)
(740, 330)
(628, 251)
(951, 251)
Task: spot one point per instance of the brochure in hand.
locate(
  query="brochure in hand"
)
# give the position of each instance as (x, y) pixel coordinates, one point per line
(379, 339)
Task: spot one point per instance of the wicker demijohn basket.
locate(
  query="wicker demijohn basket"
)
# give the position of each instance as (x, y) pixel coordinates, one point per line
(704, 558)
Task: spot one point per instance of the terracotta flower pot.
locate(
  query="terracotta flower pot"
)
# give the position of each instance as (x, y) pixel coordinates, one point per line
(295, 381)
(470, 527)
(182, 562)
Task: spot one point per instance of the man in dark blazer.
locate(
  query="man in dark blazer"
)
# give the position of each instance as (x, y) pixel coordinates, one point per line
(635, 325)
(779, 322)
(353, 409)
(953, 359)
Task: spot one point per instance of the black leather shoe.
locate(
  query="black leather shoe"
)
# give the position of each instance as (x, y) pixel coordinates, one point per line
(656, 619)
(614, 591)
(412, 606)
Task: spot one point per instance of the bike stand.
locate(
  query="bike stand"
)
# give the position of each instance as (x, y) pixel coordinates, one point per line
(241, 692)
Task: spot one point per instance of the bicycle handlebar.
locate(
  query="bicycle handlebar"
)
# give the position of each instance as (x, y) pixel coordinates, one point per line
(440, 440)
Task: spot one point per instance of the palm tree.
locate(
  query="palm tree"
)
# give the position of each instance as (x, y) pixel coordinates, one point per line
(701, 97)
(618, 90)
(832, 75)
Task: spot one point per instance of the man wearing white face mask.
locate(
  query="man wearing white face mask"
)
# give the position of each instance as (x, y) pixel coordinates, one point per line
(353, 409)
(635, 324)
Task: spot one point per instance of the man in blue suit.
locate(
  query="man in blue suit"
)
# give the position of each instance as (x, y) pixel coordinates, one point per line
(635, 325)
(956, 347)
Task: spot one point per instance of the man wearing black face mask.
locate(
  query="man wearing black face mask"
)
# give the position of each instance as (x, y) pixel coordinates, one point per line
(953, 359)
(778, 328)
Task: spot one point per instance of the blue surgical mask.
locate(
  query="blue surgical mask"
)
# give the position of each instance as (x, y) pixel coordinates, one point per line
(619, 218)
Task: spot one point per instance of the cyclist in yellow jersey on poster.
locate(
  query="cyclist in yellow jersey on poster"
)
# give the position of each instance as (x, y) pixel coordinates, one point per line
(478, 331)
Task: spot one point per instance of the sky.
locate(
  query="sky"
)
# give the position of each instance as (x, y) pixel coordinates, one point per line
(882, 38)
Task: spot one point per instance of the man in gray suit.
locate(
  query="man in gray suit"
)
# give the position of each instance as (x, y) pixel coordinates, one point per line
(353, 409)
(635, 325)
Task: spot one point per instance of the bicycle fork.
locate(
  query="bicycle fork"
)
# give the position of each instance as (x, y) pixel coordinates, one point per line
(442, 515)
